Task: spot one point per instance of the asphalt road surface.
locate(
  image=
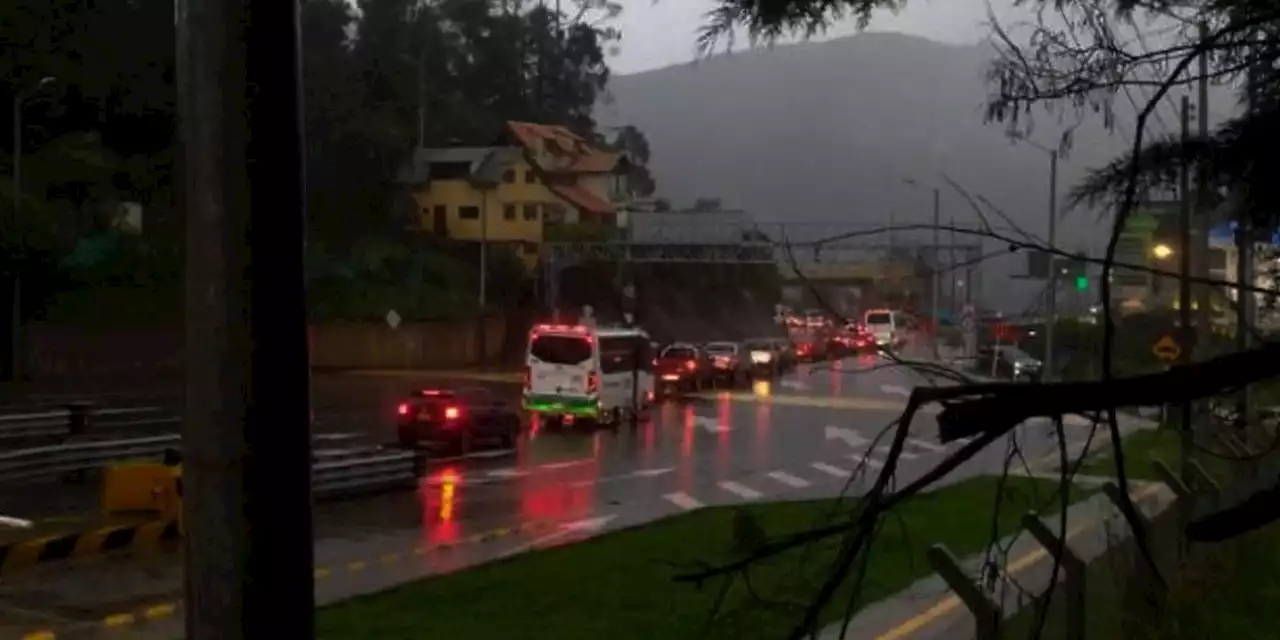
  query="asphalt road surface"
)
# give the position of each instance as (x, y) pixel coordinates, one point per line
(810, 434)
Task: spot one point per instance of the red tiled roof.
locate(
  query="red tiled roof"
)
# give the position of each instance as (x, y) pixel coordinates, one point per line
(584, 156)
(583, 199)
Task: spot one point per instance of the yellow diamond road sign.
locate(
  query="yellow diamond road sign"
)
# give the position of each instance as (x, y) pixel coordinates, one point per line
(1167, 349)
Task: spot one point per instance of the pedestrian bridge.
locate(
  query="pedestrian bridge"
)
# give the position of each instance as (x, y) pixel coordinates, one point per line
(870, 272)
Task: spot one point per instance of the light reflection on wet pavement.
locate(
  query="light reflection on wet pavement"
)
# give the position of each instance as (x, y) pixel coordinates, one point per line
(797, 437)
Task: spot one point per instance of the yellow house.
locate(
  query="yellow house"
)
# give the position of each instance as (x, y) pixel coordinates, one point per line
(510, 194)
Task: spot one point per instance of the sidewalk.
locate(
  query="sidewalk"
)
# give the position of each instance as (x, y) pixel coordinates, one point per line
(928, 610)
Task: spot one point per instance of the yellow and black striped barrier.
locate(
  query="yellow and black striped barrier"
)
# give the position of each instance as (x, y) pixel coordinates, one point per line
(162, 610)
(65, 546)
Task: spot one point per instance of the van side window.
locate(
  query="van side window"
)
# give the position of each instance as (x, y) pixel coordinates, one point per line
(617, 354)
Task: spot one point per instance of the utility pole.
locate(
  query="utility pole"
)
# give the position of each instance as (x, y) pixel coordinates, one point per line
(1204, 205)
(937, 273)
(1245, 263)
(1052, 306)
(14, 370)
(246, 433)
(484, 247)
(1184, 291)
(422, 98)
(952, 276)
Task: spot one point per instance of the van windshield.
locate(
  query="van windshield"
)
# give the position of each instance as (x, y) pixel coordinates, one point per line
(878, 318)
(554, 349)
(722, 348)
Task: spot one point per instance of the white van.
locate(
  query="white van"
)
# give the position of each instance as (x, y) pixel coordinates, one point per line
(885, 326)
(577, 371)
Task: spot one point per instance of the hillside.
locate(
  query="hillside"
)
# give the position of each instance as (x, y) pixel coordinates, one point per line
(828, 131)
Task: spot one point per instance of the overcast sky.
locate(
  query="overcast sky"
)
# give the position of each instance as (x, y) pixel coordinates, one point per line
(663, 33)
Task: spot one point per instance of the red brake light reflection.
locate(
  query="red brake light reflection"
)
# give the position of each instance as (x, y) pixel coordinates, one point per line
(452, 413)
(403, 409)
(691, 365)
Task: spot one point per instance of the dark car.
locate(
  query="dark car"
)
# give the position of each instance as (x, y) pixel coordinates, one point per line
(458, 419)
(765, 356)
(1010, 363)
(683, 368)
(810, 345)
(786, 354)
(730, 363)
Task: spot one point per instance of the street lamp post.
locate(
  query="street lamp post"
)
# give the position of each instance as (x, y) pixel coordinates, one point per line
(937, 271)
(15, 327)
(1051, 302)
(1052, 310)
(935, 282)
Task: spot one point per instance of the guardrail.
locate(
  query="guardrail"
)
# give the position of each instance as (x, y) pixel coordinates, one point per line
(334, 472)
(81, 420)
(350, 471)
(63, 460)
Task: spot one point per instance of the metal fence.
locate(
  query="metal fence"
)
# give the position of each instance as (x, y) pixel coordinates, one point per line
(334, 472)
(997, 615)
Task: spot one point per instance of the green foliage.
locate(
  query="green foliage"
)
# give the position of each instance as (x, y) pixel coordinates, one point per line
(102, 133)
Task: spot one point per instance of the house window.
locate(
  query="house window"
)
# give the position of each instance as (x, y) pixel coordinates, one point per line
(529, 178)
(509, 176)
(440, 211)
(554, 213)
(530, 212)
(469, 213)
(508, 212)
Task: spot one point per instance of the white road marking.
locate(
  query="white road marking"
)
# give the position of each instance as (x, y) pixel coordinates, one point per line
(923, 444)
(831, 469)
(508, 473)
(740, 490)
(849, 436)
(869, 461)
(710, 425)
(683, 500)
(788, 479)
(905, 455)
(562, 465)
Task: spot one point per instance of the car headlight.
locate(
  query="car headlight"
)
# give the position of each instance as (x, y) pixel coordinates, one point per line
(761, 357)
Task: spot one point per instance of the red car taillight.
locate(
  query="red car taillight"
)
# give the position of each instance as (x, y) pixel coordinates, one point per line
(691, 365)
(403, 409)
(452, 413)
(528, 378)
(593, 382)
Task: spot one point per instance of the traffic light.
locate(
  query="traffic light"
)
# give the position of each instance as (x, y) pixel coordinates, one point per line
(1082, 283)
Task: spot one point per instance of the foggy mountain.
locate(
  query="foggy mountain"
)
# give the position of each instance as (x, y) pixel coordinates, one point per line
(827, 132)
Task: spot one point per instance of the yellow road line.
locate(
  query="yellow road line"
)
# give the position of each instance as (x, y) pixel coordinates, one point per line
(951, 602)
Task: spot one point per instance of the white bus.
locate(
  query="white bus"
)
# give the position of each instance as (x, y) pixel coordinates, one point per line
(580, 372)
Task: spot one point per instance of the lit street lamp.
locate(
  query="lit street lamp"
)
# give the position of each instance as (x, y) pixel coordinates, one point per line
(1161, 251)
(15, 332)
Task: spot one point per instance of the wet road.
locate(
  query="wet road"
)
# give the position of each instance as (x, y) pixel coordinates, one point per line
(805, 435)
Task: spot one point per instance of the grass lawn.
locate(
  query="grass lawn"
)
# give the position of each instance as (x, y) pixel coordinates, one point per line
(1142, 447)
(619, 586)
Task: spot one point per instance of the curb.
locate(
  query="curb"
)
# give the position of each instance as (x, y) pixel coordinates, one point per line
(138, 535)
(163, 610)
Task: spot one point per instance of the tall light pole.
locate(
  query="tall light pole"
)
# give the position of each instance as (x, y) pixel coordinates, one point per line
(15, 327)
(935, 269)
(1051, 303)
